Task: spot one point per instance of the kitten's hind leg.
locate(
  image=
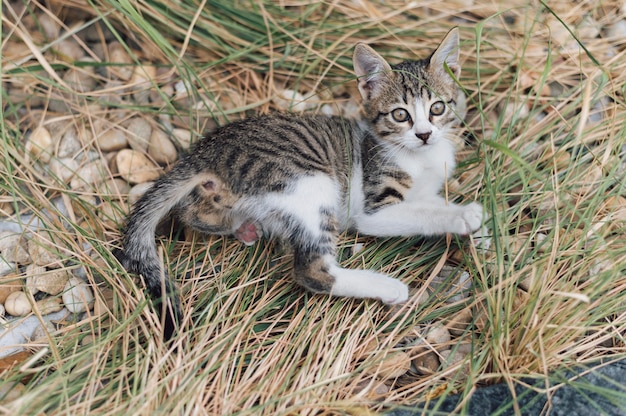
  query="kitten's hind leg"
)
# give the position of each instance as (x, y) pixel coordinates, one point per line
(321, 274)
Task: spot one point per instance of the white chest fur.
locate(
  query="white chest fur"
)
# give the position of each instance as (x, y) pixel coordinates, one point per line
(429, 167)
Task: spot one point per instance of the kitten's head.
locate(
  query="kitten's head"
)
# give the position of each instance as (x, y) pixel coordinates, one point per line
(415, 103)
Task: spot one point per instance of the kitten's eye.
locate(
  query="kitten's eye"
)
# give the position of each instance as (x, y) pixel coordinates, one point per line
(400, 115)
(437, 108)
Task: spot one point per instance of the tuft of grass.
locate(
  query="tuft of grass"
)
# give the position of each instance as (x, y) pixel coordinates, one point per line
(545, 133)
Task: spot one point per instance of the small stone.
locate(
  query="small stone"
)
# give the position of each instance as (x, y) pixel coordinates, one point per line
(138, 135)
(450, 358)
(41, 254)
(40, 145)
(161, 148)
(68, 50)
(11, 390)
(52, 282)
(49, 305)
(64, 169)
(452, 284)
(7, 288)
(118, 55)
(137, 191)
(77, 296)
(393, 365)
(2, 310)
(182, 137)
(141, 82)
(371, 389)
(41, 332)
(11, 248)
(617, 32)
(32, 273)
(6, 267)
(81, 79)
(425, 361)
(290, 100)
(18, 304)
(104, 301)
(459, 322)
(135, 167)
(115, 188)
(50, 25)
(70, 143)
(111, 140)
(438, 334)
(90, 173)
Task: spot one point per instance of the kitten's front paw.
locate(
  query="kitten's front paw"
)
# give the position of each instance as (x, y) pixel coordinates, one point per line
(471, 218)
(394, 292)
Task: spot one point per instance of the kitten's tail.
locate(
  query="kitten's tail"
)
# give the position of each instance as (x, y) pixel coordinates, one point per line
(139, 254)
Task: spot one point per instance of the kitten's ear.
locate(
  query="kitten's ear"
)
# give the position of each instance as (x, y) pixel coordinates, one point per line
(448, 53)
(371, 69)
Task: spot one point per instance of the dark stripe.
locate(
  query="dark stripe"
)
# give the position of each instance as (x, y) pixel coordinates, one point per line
(388, 192)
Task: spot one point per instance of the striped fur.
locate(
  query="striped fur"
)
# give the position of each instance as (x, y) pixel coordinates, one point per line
(305, 178)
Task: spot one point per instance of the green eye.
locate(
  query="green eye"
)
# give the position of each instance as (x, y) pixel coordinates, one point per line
(400, 115)
(437, 108)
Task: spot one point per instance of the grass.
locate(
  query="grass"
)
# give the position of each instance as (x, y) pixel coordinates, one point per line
(546, 132)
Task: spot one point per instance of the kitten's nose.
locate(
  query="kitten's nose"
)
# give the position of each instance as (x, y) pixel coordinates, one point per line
(424, 136)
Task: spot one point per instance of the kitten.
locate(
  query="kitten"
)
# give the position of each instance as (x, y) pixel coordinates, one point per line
(307, 178)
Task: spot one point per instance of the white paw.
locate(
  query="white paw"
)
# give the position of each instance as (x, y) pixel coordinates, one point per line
(393, 292)
(471, 217)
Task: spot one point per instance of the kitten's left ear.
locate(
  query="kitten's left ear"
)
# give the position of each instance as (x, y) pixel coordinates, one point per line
(448, 53)
(371, 69)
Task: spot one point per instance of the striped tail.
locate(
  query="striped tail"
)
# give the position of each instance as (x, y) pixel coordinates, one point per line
(139, 254)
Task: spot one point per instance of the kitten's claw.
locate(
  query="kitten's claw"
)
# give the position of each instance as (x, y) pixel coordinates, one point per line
(248, 233)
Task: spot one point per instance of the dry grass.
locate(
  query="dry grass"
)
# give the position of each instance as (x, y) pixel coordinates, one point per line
(546, 133)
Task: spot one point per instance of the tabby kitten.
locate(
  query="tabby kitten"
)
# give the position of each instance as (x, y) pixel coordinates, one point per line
(307, 178)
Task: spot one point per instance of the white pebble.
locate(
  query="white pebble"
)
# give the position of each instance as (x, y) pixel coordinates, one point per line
(18, 304)
(11, 249)
(77, 296)
(137, 191)
(161, 148)
(40, 145)
(135, 167)
(139, 132)
(112, 139)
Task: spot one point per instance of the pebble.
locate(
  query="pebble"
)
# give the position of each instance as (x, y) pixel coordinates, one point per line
(450, 358)
(112, 140)
(182, 137)
(50, 25)
(71, 142)
(81, 80)
(459, 322)
(141, 82)
(6, 267)
(11, 390)
(438, 334)
(290, 100)
(137, 191)
(139, 133)
(40, 145)
(49, 305)
(135, 167)
(32, 273)
(69, 50)
(7, 288)
(41, 254)
(64, 169)
(41, 332)
(426, 361)
(52, 282)
(452, 284)
(161, 148)
(77, 296)
(115, 188)
(393, 365)
(371, 389)
(18, 304)
(12, 249)
(89, 174)
(118, 55)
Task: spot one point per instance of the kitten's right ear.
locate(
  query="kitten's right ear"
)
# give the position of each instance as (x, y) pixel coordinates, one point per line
(371, 69)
